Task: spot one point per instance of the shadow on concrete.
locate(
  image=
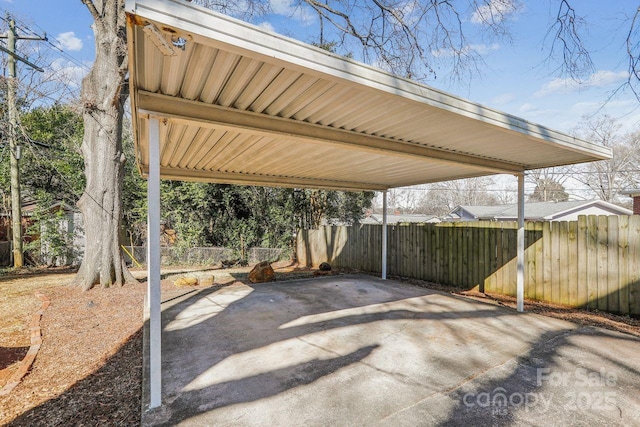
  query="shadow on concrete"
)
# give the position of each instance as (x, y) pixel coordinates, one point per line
(276, 318)
(569, 377)
(262, 318)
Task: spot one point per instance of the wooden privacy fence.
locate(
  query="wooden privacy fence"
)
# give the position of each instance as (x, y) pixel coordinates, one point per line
(593, 262)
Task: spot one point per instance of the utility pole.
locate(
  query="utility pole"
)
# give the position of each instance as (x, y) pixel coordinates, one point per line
(14, 146)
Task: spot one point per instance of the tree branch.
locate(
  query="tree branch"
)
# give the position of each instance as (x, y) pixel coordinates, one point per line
(92, 10)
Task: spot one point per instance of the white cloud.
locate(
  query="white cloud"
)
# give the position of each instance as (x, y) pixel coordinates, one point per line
(289, 8)
(600, 78)
(69, 41)
(503, 99)
(495, 11)
(267, 26)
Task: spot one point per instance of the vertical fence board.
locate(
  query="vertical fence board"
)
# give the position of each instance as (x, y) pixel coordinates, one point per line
(438, 254)
(480, 245)
(581, 261)
(460, 255)
(418, 247)
(486, 254)
(555, 263)
(426, 268)
(592, 262)
(546, 259)
(539, 262)
(404, 237)
(454, 257)
(562, 258)
(529, 261)
(602, 252)
(500, 258)
(570, 263)
(491, 250)
(431, 259)
(475, 255)
(506, 257)
(467, 250)
(623, 264)
(448, 251)
(613, 302)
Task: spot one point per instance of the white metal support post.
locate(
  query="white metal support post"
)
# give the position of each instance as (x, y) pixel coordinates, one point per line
(153, 265)
(520, 276)
(384, 235)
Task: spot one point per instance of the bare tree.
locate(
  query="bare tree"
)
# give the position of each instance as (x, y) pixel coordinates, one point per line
(568, 50)
(566, 43)
(443, 197)
(549, 184)
(103, 94)
(607, 178)
(409, 38)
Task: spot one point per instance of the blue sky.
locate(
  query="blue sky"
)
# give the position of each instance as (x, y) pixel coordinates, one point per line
(514, 78)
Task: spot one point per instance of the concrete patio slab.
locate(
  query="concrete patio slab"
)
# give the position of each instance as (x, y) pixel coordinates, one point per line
(355, 350)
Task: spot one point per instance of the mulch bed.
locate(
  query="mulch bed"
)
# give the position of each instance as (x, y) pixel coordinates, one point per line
(88, 369)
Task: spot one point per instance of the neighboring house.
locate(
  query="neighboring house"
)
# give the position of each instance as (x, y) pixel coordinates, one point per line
(538, 211)
(634, 193)
(69, 225)
(376, 219)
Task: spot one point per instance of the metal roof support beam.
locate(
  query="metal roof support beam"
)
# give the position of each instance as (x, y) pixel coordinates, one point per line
(214, 116)
(153, 267)
(520, 256)
(264, 180)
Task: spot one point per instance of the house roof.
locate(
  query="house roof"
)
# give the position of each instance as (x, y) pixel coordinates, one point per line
(243, 105)
(397, 218)
(539, 210)
(632, 192)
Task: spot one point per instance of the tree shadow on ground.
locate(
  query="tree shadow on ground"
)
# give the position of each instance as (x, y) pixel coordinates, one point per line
(109, 396)
(264, 318)
(11, 355)
(567, 377)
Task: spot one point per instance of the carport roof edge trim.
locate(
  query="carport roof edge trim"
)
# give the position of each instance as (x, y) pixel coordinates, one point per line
(275, 48)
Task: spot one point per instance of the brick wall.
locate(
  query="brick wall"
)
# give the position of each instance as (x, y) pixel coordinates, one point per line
(636, 205)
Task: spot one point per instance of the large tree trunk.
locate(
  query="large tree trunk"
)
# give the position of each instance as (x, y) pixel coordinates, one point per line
(103, 95)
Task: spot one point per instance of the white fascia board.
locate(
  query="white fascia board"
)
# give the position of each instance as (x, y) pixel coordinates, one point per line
(614, 209)
(220, 31)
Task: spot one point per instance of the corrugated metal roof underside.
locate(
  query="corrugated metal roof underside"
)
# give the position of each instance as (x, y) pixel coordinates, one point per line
(233, 115)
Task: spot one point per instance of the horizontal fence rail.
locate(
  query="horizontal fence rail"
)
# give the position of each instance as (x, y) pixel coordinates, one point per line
(593, 262)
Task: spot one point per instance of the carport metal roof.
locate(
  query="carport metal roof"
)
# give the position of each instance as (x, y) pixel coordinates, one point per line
(243, 105)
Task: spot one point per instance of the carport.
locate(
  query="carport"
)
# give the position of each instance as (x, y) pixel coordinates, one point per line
(215, 99)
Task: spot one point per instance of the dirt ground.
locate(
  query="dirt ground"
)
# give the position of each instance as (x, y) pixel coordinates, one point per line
(89, 368)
